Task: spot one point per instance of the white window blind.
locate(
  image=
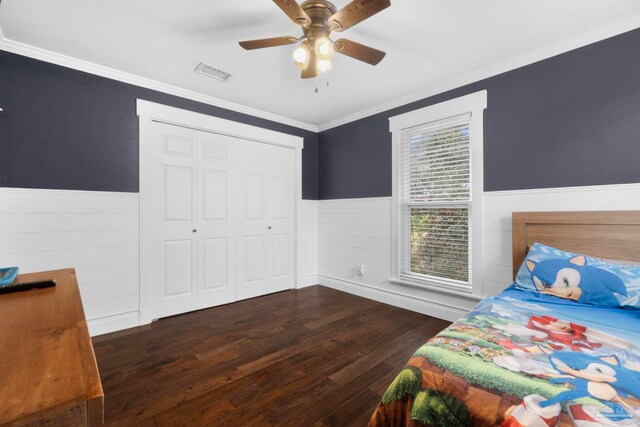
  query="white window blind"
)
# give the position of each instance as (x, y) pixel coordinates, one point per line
(435, 202)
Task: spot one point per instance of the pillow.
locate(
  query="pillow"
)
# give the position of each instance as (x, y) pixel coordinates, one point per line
(581, 278)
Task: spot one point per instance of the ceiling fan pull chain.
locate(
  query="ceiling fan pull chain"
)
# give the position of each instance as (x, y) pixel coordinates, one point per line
(316, 91)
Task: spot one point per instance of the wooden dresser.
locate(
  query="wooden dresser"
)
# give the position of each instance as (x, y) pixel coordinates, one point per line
(48, 370)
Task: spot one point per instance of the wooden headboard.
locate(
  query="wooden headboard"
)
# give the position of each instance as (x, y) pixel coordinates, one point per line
(614, 234)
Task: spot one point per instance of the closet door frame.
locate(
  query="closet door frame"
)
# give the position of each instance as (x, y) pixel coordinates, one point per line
(150, 112)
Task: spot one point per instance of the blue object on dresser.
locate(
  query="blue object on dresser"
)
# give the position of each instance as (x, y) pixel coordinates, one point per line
(8, 275)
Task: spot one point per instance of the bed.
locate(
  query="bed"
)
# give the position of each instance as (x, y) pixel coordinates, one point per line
(528, 358)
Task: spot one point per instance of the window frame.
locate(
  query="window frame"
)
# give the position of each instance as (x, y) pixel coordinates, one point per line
(475, 104)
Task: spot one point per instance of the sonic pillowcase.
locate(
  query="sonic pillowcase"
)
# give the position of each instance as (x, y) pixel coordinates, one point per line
(580, 278)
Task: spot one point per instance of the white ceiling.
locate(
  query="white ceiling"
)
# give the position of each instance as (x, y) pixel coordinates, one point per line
(428, 42)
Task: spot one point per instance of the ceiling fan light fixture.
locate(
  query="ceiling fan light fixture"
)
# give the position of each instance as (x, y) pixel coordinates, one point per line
(324, 65)
(324, 48)
(301, 56)
(317, 20)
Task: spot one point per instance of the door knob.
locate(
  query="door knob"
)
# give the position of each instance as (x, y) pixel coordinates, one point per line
(194, 230)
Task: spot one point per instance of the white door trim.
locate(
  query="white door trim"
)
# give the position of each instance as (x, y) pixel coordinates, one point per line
(149, 112)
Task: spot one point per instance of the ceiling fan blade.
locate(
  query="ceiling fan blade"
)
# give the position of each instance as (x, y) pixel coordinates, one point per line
(272, 42)
(312, 69)
(359, 51)
(294, 11)
(355, 12)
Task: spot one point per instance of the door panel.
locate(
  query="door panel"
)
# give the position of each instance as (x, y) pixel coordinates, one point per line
(280, 251)
(178, 145)
(173, 197)
(216, 220)
(254, 265)
(215, 252)
(281, 211)
(215, 191)
(280, 198)
(178, 193)
(254, 197)
(252, 221)
(177, 259)
(215, 150)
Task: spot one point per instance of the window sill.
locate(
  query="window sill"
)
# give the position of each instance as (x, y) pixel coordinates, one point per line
(437, 288)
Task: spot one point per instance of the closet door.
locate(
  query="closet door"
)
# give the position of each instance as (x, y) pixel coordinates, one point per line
(223, 219)
(280, 218)
(173, 195)
(216, 219)
(252, 225)
(265, 261)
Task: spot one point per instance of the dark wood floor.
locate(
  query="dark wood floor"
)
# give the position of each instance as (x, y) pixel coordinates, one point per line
(300, 358)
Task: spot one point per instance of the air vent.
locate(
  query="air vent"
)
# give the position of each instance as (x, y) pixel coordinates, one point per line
(210, 71)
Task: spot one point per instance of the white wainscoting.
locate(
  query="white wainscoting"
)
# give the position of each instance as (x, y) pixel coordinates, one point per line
(97, 233)
(353, 232)
(309, 274)
(498, 206)
(94, 232)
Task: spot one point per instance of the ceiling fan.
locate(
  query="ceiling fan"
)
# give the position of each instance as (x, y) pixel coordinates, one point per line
(318, 19)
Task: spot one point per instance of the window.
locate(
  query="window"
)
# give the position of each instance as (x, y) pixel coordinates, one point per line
(438, 195)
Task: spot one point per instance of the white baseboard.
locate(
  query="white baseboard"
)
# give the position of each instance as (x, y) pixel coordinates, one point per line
(419, 305)
(105, 325)
(307, 280)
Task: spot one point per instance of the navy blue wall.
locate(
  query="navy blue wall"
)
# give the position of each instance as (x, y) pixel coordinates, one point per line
(65, 129)
(570, 120)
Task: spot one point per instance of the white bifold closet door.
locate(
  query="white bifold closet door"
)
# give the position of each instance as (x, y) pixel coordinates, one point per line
(265, 220)
(216, 220)
(223, 219)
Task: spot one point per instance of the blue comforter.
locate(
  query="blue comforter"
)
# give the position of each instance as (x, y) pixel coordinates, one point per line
(523, 359)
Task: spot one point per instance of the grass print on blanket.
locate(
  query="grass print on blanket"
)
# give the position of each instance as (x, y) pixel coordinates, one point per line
(523, 359)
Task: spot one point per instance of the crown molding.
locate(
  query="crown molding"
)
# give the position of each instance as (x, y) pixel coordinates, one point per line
(593, 36)
(629, 23)
(111, 73)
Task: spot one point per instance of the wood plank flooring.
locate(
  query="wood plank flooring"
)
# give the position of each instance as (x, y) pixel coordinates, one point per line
(305, 357)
